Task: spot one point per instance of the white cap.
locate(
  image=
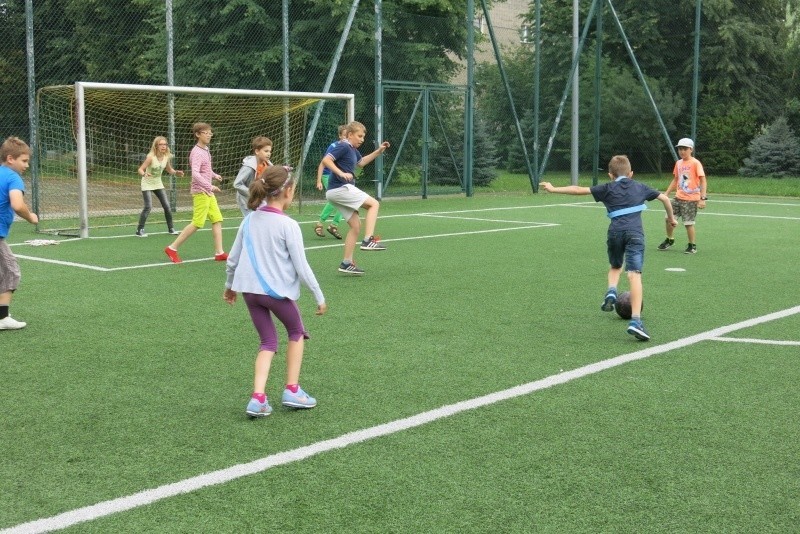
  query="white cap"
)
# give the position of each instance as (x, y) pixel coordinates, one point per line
(686, 142)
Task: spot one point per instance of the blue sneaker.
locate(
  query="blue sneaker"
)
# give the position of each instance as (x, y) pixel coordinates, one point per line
(301, 399)
(636, 329)
(608, 303)
(258, 409)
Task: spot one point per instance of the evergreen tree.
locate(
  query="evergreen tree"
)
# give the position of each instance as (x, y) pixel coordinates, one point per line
(776, 152)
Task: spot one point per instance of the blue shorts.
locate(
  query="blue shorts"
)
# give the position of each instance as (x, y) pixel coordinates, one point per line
(626, 245)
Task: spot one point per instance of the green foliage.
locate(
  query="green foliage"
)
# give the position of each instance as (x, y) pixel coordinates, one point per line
(13, 112)
(629, 124)
(776, 152)
(723, 137)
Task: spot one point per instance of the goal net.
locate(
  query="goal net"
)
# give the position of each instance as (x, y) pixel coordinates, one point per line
(92, 138)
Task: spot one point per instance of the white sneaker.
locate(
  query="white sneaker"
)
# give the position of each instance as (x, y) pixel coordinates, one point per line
(11, 324)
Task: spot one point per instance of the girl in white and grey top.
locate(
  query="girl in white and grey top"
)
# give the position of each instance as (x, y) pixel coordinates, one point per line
(278, 251)
(267, 264)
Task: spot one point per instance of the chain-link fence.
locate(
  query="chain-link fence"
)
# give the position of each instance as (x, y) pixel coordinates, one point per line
(324, 45)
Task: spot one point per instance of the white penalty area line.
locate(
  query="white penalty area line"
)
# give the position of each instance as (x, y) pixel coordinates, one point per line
(758, 341)
(143, 498)
(708, 213)
(313, 247)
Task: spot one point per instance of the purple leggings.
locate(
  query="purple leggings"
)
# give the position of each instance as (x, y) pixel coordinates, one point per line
(261, 308)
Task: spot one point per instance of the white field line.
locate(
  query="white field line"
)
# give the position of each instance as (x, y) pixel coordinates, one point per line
(760, 341)
(313, 247)
(704, 213)
(442, 214)
(143, 498)
(788, 204)
(66, 263)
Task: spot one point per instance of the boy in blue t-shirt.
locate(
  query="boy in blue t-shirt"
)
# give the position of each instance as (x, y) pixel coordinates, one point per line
(15, 157)
(342, 161)
(624, 199)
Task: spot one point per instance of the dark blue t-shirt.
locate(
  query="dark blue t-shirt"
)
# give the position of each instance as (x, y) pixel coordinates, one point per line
(624, 193)
(346, 158)
(326, 171)
(9, 180)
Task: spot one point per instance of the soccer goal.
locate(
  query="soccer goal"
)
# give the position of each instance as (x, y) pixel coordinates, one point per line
(93, 137)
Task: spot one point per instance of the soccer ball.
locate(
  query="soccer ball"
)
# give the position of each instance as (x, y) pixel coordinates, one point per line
(623, 305)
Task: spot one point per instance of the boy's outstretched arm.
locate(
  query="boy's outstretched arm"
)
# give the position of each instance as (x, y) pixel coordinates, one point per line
(668, 208)
(366, 160)
(566, 190)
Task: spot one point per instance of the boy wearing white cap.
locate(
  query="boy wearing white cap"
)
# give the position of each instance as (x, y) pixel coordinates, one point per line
(689, 184)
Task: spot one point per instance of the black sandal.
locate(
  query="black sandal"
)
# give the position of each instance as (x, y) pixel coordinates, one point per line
(318, 230)
(334, 231)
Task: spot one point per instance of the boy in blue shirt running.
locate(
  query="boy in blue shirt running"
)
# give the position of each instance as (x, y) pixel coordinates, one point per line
(624, 198)
(15, 155)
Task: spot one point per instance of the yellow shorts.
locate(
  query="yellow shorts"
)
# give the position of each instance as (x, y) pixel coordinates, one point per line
(205, 207)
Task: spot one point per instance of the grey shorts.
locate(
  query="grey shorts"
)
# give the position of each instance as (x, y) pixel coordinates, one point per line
(9, 269)
(347, 199)
(685, 209)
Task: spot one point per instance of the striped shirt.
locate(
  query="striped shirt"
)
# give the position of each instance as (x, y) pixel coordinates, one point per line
(202, 174)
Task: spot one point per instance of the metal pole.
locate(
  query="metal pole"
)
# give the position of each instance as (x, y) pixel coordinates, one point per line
(696, 77)
(379, 95)
(469, 98)
(560, 111)
(350, 112)
(83, 183)
(536, 83)
(286, 82)
(641, 78)
(426, 95)
(575, 93)
(598, 62)
(32, 115)
(503, 77)
(173, 185)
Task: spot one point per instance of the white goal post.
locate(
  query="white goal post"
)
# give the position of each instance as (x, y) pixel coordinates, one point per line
(251, 113)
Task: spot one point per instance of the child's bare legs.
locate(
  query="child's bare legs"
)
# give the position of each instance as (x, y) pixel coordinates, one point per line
(690, 233)
(613, 276)
(670, 230)
(354, 222)
(635, 281)
(371, 218)
(611, 294)
(263, 363)
(216, 232)
(294, 359)
(185, 234)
